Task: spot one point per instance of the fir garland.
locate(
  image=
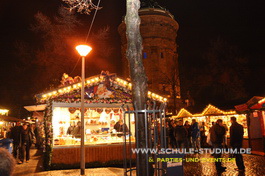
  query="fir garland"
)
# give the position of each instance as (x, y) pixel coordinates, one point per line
(48, 136)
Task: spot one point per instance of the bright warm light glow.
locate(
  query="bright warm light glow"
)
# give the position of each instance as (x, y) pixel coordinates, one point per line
(4, 112)
(83, 50)
(1, 123)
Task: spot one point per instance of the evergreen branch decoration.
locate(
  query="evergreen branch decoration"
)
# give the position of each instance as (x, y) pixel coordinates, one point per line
(82, 6)
(48, 136)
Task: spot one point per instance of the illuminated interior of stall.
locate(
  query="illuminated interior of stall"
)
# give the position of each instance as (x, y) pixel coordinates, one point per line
(99, 125)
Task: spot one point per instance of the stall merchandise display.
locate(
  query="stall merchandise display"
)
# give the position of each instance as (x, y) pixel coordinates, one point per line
(99, 126)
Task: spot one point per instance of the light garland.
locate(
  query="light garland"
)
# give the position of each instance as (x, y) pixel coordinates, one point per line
(70, 88)
(183, 111)
(204, 113)
(262, 101)
(151, 95)
(93, 81)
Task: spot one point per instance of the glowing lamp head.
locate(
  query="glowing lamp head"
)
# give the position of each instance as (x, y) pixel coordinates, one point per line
(83, 50)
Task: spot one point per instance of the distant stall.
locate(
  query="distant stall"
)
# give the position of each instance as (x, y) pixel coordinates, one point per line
(255, 110)
(7, 122)
(211, 114)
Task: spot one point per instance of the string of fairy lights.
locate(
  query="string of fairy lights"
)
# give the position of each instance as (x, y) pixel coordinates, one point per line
(183, 111)
(93, 81)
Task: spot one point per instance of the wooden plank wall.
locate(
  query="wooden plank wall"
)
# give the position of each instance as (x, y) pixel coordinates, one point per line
(93, 153)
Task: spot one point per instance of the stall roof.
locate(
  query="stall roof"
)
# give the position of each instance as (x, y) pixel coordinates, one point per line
(103, 88)
(209, 110)
(9, 119)
(255, 102)
(36, 107)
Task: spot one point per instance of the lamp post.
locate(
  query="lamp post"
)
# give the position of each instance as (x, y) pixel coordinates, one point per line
(83, 50)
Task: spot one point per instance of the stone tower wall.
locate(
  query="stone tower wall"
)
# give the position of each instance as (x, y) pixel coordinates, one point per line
(159, 32)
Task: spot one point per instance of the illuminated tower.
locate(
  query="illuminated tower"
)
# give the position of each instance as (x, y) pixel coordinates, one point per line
(159, 32)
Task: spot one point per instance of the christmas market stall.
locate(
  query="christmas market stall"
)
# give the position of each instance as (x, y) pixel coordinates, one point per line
(105, 94)
(255, 110)
(6, 122)
(210, 114)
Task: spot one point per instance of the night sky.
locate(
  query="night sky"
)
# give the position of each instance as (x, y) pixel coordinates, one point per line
(239, 22)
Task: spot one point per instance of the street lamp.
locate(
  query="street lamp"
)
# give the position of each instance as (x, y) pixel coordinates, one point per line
(83, 50)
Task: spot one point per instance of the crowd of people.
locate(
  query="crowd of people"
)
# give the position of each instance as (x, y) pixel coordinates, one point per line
(187, 135)
(194, 136)
(24, 136)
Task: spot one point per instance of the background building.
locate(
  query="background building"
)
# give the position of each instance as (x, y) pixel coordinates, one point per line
(159, 32)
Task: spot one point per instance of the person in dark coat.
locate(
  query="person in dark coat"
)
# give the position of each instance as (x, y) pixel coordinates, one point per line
(180, 135)
(187, 126)
(26, 138)
(15, 135)
(203, 135)
(217, 136)
(236, 141)
(77, 130)
(171, 134)
(195, 135)
(119, 127)
(70, 129)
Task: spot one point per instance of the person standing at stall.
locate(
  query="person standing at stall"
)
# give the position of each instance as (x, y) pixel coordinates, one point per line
(217, 137)
(77, 130)
(26, 138)
(181, 135)
(236, 141)
(171, 134)
(15, 135)
(203, 135)
(195, 135)
(119, 127)
(187, 126)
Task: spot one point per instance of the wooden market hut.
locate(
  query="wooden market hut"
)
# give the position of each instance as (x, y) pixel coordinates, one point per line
(104, 96)
(255, 110)
(210, 114)
(6, 122)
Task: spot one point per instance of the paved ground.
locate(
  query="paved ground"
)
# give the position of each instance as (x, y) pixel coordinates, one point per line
(255, 166)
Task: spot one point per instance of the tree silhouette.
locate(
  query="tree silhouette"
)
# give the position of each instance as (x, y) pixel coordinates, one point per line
(222, 78)
(54, 54)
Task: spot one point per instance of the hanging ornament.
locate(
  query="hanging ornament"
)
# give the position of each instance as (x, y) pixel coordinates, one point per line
(72, 110)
